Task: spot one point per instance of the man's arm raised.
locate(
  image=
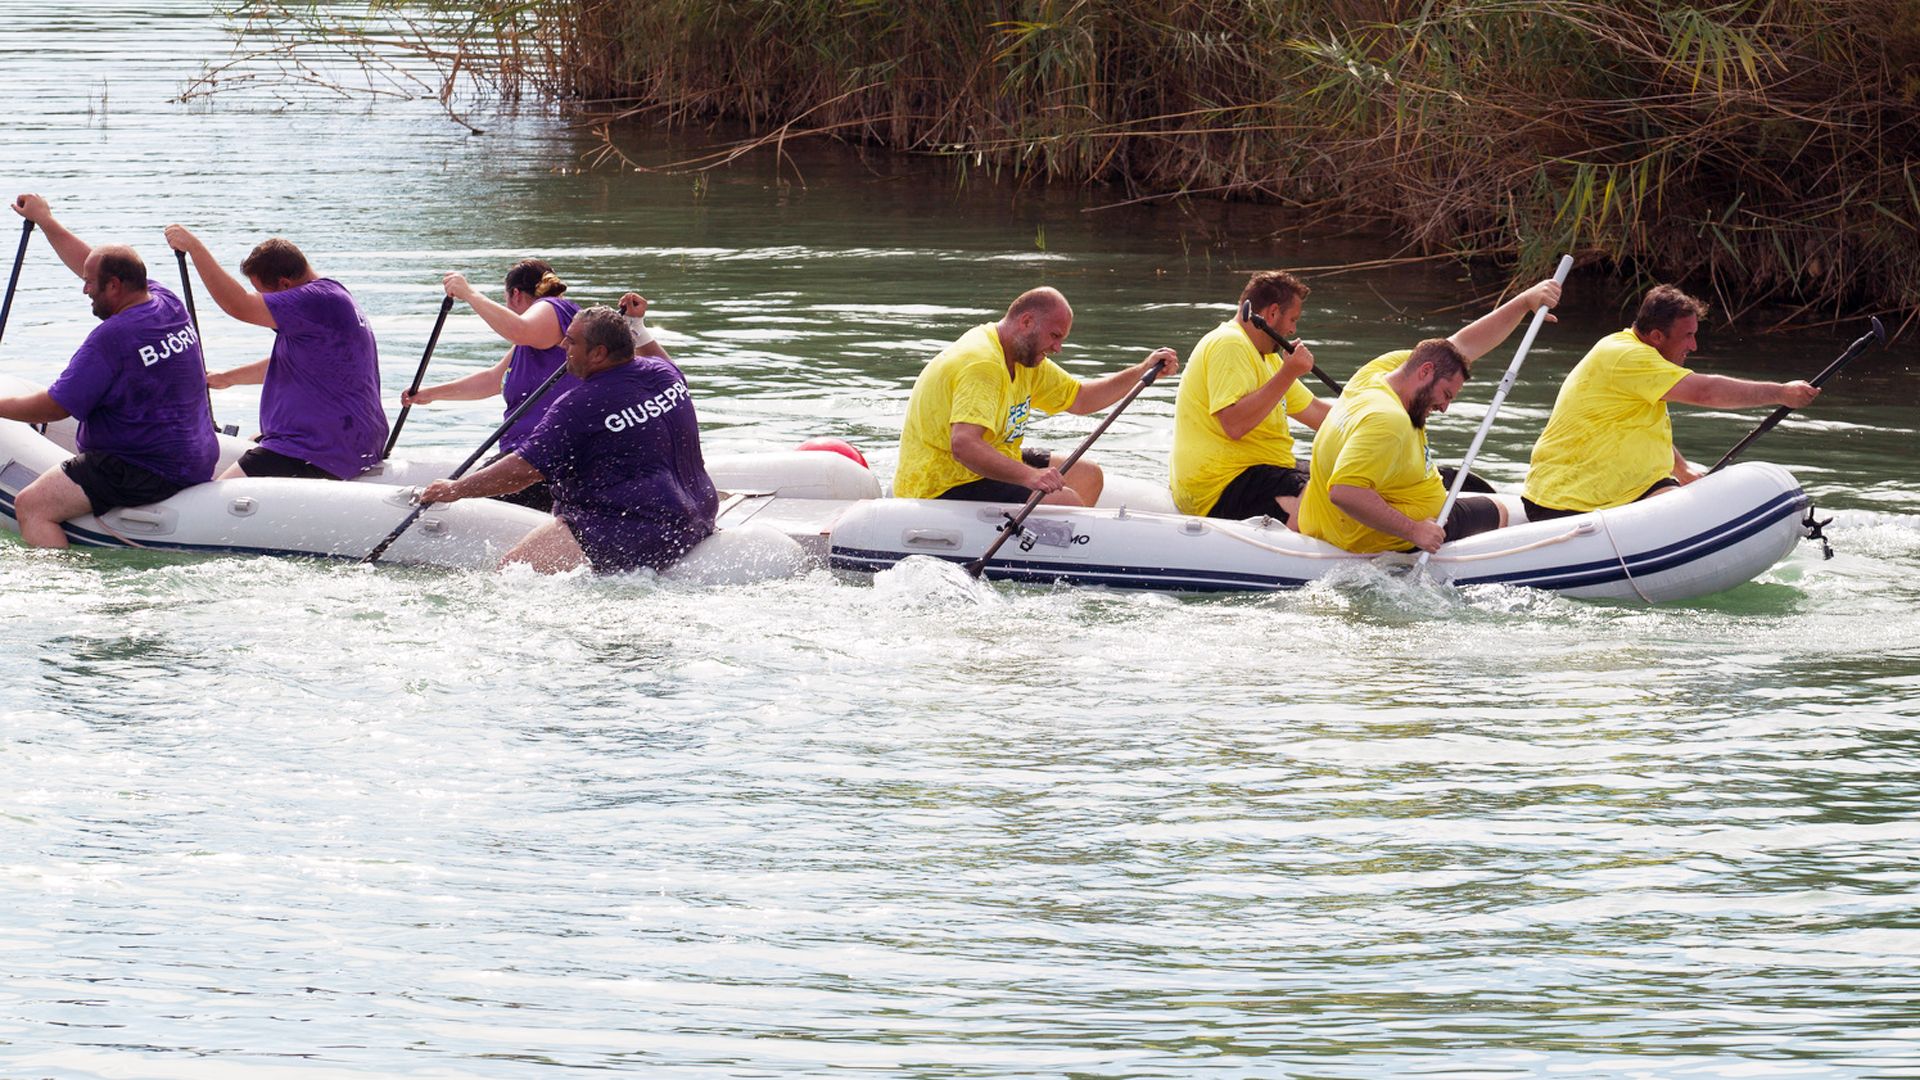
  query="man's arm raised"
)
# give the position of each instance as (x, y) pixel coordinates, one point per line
(72, 250)
(234, 298)
(1483, 335)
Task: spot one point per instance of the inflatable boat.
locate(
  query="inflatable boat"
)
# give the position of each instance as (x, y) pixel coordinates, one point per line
(1709, 536)
(321, 519)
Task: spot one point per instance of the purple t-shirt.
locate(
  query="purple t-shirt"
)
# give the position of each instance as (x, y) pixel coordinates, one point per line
(527, 371)
(321, 402)
(622, 451)
(139, 389)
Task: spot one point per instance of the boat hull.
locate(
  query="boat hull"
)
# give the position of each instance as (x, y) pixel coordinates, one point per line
(1714, 534)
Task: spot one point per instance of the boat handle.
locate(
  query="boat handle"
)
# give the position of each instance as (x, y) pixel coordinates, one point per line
(140, 520)
(940, 538)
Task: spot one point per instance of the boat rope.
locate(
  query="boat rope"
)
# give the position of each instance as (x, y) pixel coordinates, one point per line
(1549, 541)
(1602, 516)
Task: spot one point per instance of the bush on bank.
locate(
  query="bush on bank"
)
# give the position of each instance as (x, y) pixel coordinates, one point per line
(1761, 151)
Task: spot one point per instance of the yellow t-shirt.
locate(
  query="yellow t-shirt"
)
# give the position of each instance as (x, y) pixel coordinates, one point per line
(1368, 441)
(1609, 438)
(967, 384)
(1224, 368)
(1376, 369)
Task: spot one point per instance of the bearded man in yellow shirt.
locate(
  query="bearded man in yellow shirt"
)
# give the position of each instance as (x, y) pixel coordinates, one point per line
(1372, 486)
(1232, 449)
(1609, 441)
(971, 404)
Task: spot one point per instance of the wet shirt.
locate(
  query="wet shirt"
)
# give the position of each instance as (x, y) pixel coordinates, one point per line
(1609, 438)
(1369, 441)
(321, 401)
(527, 371)
(968, 384)
(1225, 367)
(138, 387)
(622, 452)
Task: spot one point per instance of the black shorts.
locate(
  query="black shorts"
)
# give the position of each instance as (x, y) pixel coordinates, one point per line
(1536, 512)
(1255, 490)
(1474, 484)
(537, 496)
(110, 481)
(260, 461)
(985, 490)
(1472, 515)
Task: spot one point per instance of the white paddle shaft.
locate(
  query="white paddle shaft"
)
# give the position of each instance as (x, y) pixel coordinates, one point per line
(1493, 408)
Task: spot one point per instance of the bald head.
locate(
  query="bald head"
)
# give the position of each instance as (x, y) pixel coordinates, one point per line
(1035, 326)
(1044, 300)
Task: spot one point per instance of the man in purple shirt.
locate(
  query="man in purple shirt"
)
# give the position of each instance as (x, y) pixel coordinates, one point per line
(622, 452)
(137, 386)
(320, 413)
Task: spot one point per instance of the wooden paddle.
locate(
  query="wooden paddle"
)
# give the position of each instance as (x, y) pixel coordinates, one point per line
(20, 256)
(1877, 333)
(446, 305)
(512, 419)
(1014, 521)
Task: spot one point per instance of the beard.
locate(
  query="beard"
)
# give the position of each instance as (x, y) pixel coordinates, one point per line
(101, 309)
(1025, 351)
(1420, 406)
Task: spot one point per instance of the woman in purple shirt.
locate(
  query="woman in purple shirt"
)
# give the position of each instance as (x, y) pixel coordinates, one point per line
(622, 454)
(320, 411)
(534, 321)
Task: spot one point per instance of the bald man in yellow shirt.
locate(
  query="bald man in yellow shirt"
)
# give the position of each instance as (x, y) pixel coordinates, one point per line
(1609, 441)
(971, 405)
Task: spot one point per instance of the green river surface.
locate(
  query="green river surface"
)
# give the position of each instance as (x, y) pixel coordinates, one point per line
(289, 819)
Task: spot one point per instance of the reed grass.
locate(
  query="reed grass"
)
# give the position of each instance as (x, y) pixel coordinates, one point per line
(1760, 151)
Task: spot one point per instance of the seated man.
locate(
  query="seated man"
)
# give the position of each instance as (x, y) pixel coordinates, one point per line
(971, 404)
(622, 454)
(1232, 449)
(320, 411)
(1372, 486)
(136, 385)
(1472, 341)
(1609, 441)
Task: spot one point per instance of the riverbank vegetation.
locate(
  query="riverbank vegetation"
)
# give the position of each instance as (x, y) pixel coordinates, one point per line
(1762, 151)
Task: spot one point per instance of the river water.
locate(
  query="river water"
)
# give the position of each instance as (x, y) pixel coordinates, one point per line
(279, 819)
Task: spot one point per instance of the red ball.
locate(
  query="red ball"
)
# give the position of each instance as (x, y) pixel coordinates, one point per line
(836, 446)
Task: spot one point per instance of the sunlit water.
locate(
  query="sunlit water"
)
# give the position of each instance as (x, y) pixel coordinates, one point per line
(263, 819)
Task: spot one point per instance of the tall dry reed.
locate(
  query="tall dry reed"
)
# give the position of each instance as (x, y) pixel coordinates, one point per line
(1761, 151)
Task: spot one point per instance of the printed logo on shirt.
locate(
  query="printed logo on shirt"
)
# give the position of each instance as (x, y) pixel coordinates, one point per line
(1017, 417)
(172, 345)
(656, 406)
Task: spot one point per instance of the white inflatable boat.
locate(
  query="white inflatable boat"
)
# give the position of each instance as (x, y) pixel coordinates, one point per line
(1709, 536)
(322, 519)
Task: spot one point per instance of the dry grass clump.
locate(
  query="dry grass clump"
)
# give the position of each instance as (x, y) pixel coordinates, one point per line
(1759, 150)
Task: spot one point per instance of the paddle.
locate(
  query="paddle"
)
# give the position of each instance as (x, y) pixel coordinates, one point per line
(186, 293)
(512, 419)
(1287, 347)
(1014, 521)
(26, 231)
(446, 305)
(1493, 408)
(1878, 333)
